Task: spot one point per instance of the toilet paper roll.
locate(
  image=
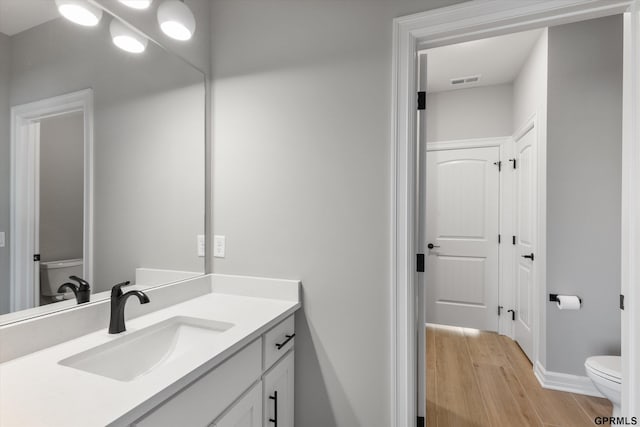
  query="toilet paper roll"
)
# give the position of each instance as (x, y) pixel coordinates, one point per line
(568, 302)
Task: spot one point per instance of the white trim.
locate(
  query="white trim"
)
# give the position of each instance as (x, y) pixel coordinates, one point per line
(22, 209)
(456, 144)
(630, 245)
(529, 124)
(565, 382)
(467, 21)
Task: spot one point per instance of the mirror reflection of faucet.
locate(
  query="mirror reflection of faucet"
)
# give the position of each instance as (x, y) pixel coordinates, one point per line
(82, 290)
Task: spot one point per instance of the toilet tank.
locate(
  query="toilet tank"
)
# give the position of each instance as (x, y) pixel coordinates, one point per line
(55, 273)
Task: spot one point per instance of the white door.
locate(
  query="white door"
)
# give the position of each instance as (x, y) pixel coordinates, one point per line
(462, 225)
(278, 394)
(247, 412)
(525, 170)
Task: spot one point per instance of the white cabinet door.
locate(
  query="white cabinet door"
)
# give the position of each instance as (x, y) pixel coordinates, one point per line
(526, 201)
(278, 394)
(247, 412)
(462, 227)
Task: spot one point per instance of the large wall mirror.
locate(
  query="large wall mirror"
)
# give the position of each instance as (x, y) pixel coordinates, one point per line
(101, 161)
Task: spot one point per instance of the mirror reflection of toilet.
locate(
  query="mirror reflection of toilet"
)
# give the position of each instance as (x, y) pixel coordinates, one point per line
(606, 374)
(55, 273)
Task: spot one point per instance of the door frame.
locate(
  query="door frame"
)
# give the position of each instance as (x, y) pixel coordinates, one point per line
(464, 22)
(504, 144)
(24, 209)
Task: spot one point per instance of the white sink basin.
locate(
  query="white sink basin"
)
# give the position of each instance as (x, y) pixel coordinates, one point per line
(137, 353)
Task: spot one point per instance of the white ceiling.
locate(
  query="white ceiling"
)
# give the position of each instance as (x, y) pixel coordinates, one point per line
(19, 15)
(497, 60)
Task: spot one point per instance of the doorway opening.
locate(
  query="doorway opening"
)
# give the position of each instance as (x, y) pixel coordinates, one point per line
(51, 194)
(480, 213)
(463, 23)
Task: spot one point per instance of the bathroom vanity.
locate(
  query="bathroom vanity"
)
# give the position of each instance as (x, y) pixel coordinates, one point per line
(221, 358)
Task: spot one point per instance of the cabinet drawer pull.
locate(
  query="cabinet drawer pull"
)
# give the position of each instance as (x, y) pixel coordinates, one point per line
(274, 420)
(283, 343)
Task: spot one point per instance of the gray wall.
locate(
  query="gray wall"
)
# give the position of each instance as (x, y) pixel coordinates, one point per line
(530, 86)
(149, 142)
(301, 176)
(583, 188)
(5, 174)
(479, 112)
(61, 187)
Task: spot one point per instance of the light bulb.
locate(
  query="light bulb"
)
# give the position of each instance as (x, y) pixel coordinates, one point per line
(80, 12)
(176, 20)
(127, 39)
(137, 4)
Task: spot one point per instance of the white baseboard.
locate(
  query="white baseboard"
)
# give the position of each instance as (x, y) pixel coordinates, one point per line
(565, 382)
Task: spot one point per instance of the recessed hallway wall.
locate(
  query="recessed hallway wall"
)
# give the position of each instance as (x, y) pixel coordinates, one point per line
(584, 189)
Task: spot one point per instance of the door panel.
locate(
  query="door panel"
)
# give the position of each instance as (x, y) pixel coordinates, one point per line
(525, 239)
(462, 222)
(461, 189)
(461, 280)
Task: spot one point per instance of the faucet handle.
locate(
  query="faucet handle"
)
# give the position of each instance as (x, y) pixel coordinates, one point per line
(84, 285)
(116, 291)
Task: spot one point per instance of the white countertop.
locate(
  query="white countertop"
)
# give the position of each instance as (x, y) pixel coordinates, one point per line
(36, 391)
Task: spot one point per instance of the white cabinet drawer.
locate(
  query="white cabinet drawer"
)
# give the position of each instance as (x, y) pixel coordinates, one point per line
(205, 399)
(278, 341)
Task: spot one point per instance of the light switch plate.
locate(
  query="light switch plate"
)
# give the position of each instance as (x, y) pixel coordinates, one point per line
(201, 245)
(1, 239)
(218, 246)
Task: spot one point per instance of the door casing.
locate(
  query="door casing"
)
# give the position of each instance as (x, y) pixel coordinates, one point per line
(23, 239)
(469, 21)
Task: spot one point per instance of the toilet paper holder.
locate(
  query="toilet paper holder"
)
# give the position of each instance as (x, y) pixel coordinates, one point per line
(554, 298)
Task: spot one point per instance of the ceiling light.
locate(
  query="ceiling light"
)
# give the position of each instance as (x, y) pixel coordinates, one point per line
(176, 20)
(127, 39)
(80, 11)
(137, 4)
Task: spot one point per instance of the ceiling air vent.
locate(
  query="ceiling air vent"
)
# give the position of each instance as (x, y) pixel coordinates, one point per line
(465, 80)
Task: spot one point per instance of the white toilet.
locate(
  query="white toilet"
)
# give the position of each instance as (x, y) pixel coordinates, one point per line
(605, 372)
(55, 273)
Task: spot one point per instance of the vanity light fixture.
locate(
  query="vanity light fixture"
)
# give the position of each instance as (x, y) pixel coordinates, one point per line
(176, 20)
(137, 4)
(127, 39)
(80, 12)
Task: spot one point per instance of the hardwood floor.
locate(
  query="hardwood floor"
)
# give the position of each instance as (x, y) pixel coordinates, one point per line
(477, 379)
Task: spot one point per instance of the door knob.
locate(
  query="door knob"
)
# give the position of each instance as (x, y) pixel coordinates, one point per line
(528, 256)
(431, 246)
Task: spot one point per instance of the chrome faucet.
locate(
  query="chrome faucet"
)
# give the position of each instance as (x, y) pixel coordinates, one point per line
(118, 301)
(82, 290)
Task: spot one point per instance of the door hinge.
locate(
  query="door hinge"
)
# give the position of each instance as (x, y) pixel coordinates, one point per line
(36, 257)
(499, 164)
(500, 310)
(514, 162)
(621, 302)
(513, 240)
(422, 101)
(420, 263)
(499, 238)
(420, 422)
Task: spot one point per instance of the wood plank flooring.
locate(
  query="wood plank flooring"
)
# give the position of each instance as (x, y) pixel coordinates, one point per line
(477, 379)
